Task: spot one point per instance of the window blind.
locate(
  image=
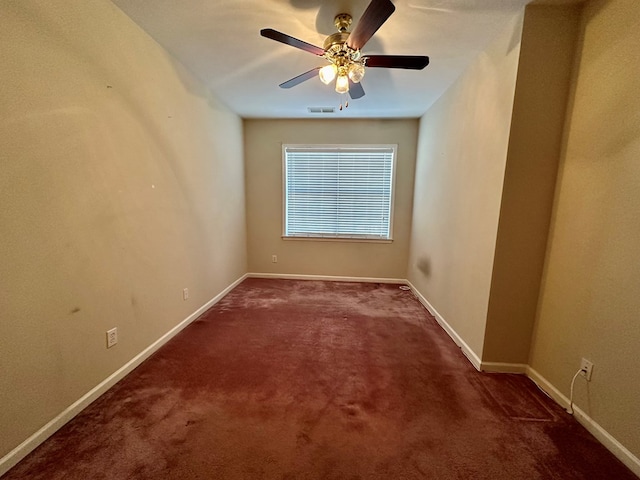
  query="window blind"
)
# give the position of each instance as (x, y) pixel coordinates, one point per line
(339, 191)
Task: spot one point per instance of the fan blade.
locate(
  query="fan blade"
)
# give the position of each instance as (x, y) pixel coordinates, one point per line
(372, 19)
(355, 90)
(289, 40)
(300, 78)
(412, 62)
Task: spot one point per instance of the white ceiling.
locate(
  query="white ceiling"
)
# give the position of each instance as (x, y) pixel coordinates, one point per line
(219, 41)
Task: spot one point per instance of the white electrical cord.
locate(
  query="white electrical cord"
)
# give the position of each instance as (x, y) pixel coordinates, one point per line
(573, 380)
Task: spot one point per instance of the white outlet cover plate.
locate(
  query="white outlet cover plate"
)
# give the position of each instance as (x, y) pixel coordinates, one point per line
(112, 337)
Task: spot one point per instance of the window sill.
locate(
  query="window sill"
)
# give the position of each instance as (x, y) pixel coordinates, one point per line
(339, 239)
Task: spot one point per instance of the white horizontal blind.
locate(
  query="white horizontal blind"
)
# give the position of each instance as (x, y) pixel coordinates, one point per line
(339, 191)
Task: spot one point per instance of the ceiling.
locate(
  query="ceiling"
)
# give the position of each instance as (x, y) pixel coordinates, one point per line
(219, 41)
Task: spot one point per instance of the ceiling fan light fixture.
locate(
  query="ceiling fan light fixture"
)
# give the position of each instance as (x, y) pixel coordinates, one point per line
(342, 84)
(343, 51)
(356, 72)
(328, 73)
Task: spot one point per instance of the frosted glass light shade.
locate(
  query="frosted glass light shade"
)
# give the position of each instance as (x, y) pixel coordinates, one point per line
(328, 73)
(356, 72)
(342, 84)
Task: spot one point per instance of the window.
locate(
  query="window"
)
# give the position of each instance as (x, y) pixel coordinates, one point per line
(339, 191)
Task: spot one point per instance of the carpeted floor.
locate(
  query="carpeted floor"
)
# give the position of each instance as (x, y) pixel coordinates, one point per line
(319, 380)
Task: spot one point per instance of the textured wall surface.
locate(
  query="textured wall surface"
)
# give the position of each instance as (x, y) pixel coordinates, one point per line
(590, 296)
(122, 183)
(535, 145)
(461, 160)
(263, 147)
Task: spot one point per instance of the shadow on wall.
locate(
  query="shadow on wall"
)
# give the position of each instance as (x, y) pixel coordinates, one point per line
(424, 265)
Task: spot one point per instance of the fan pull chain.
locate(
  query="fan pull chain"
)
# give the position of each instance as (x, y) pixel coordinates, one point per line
(346, 104)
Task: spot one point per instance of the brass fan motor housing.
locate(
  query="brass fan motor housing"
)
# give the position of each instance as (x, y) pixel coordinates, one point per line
(335, 39)
(342, 21)
(335, 46)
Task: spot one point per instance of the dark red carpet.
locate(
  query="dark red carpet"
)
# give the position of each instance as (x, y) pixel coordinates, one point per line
(319, 380)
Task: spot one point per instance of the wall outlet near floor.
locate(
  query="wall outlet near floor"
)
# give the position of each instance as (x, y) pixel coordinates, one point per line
(586, 369)
(274, 258)
(112, 337)
(185, 293)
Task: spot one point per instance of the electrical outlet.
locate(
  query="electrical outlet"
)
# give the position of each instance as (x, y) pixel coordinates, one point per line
(112, 337)
(586, 369)
(274, 258)
(185, 293)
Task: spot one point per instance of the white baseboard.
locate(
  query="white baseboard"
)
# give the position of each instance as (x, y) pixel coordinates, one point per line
(327, 278)
(499, 367)
(26, 447)
(604, 437)
(466, 349)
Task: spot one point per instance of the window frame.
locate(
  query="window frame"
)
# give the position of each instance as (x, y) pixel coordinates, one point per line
(334, 237)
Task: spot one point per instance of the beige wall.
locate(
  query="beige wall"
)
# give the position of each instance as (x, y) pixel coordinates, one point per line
(590, 299)
(461, 159)
(542, 89)
(122, 183)
(263, 160)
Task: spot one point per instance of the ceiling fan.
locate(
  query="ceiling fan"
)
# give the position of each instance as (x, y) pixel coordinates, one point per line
(342, 50)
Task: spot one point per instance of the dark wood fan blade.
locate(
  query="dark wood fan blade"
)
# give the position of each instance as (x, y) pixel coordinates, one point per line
(412, 62)
(289, 40)
(372, 19)
(355, 90)
(300, 78)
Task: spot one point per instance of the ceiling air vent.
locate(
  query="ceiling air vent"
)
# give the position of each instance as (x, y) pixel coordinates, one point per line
(321, 109)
